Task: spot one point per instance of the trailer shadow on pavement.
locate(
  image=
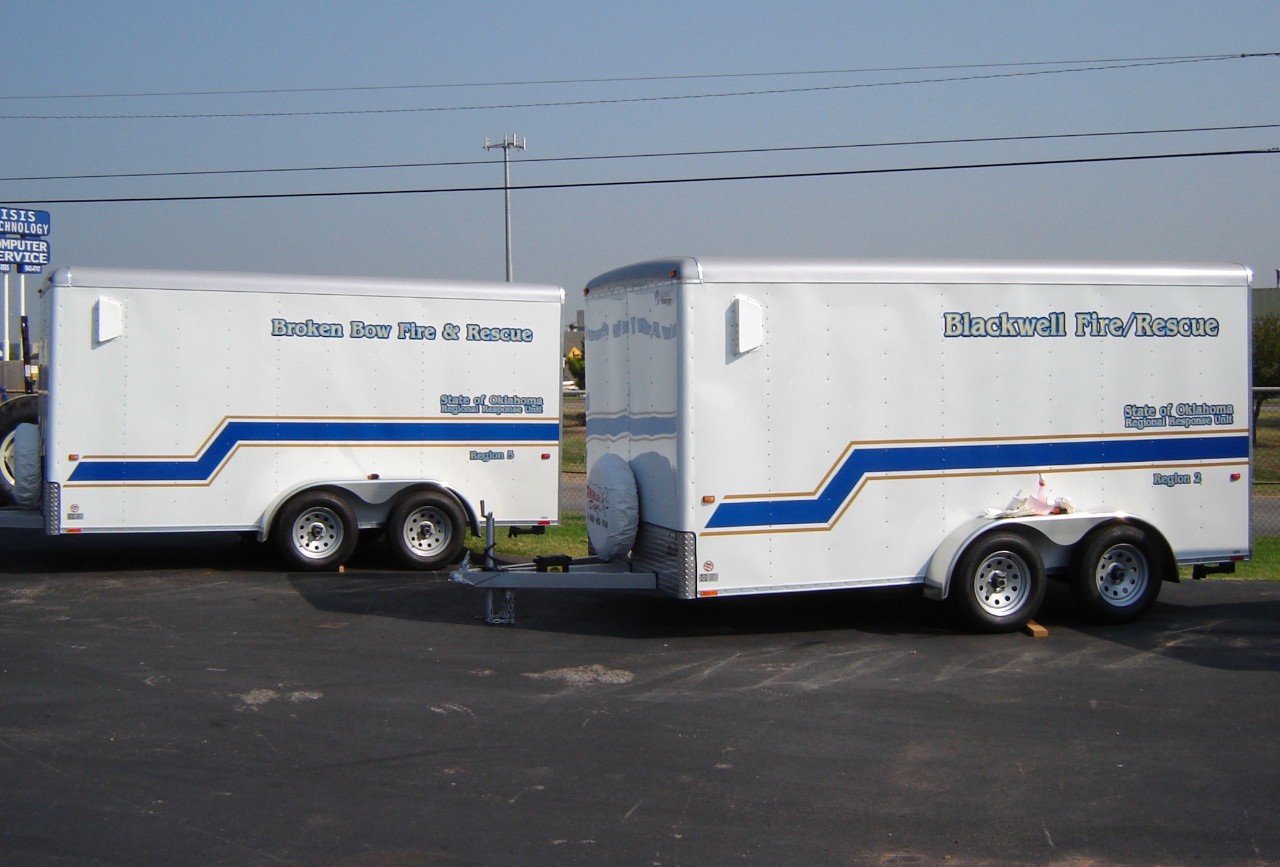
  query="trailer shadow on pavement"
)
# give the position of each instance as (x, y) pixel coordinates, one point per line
(1187, 624)
(1233, 636)
(1180, 625)
(181, 700)
(25, 552)
(1230, 636)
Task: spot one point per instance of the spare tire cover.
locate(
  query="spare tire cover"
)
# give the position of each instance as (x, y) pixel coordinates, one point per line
(27, 474)
(13, 412)
(613, 507)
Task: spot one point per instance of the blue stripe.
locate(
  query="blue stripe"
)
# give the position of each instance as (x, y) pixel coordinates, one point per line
(238, 433)
(860, 462)
(627, 425)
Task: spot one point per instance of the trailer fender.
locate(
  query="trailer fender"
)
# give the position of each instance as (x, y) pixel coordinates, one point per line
(372, 501)
(1055, 537)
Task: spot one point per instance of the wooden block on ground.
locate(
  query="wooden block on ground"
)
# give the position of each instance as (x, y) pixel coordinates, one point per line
(1035, 630)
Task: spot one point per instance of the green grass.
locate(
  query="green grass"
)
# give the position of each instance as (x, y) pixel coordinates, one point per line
(1265, 565)
(568, 538)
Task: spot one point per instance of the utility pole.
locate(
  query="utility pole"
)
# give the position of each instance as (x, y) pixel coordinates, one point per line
(508, 142)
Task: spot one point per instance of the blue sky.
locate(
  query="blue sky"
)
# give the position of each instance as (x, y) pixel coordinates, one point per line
(1217, 209)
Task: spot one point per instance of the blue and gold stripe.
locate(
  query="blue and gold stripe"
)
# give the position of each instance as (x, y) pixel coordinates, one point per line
(232, 434)
(860, 461)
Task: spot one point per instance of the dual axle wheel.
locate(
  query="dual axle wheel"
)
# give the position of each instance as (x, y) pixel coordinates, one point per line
(999, 581)
(318, 530)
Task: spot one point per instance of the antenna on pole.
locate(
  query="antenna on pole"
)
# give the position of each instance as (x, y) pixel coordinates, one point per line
(508, 142)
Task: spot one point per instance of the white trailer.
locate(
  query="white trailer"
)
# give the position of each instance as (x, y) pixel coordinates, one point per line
(301, 409)
(969, 427)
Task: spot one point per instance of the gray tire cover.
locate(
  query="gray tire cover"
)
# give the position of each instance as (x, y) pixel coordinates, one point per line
(27, 475)
(613, 507)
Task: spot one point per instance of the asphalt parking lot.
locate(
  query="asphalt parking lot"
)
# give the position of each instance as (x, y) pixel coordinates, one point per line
(178, 702)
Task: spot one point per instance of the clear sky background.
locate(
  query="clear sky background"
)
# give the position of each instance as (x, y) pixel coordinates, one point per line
(396, 82)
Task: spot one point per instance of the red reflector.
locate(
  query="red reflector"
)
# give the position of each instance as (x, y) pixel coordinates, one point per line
(546, 457)
(1235, 477)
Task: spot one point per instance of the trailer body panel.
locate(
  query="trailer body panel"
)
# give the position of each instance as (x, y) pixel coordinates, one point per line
(202, 400)
(830, 424)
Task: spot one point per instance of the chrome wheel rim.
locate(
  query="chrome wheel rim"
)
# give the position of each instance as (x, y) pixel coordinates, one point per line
(1001, 584)
(427, 531)
(317, 533)
(1122, 575)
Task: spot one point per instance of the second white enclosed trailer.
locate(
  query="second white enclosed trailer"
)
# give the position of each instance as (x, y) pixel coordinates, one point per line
(971, 427)
(298, 408)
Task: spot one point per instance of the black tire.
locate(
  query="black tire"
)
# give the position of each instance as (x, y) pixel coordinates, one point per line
(426, 530)
(19, 410)
(998, 584)
(316, 531)
(1116, 574)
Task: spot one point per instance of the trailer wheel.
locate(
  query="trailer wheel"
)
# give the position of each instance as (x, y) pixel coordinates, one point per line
(426, 530)
(1115, 574)
(998, 583)
(19, 410)
(316, 531)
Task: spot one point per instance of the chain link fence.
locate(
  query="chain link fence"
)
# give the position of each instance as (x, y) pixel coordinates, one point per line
(573, 453)
(1265, 470)
(1265, 517)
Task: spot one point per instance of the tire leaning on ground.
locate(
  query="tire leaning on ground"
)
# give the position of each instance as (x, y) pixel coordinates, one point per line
(426, 530)
(1116, 574)
(316, 531)
(998, 583)
(18, 411)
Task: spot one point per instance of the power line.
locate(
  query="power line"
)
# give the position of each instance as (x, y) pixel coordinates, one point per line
(655, 154)
(1104, 67)
(620, 79)
(662, 181)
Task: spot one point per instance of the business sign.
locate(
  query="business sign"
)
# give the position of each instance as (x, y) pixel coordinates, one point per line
(31, 255)
(20, 221)
(22, 240)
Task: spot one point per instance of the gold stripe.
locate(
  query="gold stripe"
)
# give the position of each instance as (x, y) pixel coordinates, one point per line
(855, 444)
